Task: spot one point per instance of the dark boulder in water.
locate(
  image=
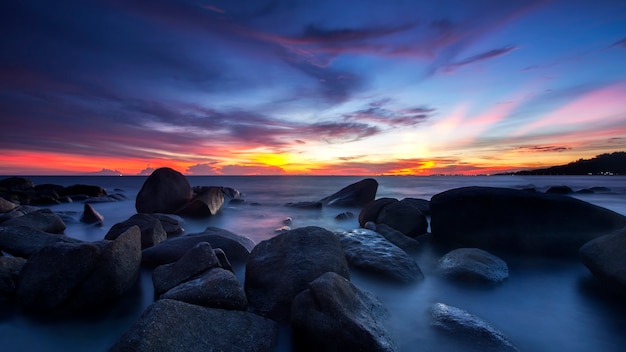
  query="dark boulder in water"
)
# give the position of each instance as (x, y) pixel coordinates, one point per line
(560, 190)
(236, 247)
(404, 216)
(165, 191)
(396, 237)
(305, 205)
(6, 206)
(206, 201)
(281, 267)
(87, 190)
(169, 325)
(10, 268)
(42, 219)
(605, 258)
(23, 241)
(373, 253)
(355, 195)
(518, 221)
(472, 264)
(152, 232)
(334, 315)
(465, 327)
(91, 216)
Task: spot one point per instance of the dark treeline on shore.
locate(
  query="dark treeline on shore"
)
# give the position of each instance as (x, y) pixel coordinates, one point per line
(603, 164)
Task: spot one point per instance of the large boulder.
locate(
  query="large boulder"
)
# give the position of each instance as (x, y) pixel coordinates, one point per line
(165, 191)
(406, 243)
(206, 201)
(281, 267)
(236, 247)
(355, 195)
(197, 260)
(465, 327)
(216, 288)
(172, 224)
(51, 275)
(6, 206)
(15, 183)
(371, 252)
(22, 241)
(42, 219)
(604, 257)
(520, 221)
(472, 264)
(404, 216)
(87, 190)
(18, 211)
(334, 315)
(169, 325)
(10, 268)
(152, 232)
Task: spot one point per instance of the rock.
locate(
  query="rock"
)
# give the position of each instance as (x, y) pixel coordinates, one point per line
(305, 205)
(230, 193)
(560, 190)
(355, 195)
(6, 206)
(216, 288)
(334, 315)
(406, 243)
(165, 191)
(10, 268)
(281, 267)
(462, 325)
(518, 221)
(51, 275)
(473, 264)
(116, 271)
(43, 219)
(370, 251)
(169, 325)
(197, 260)
(422, 204)
(18, 211)
(601, 189)
(346, 215)
(16, 183)
(23, 241)
(236, 247)
(404, 217)
(172, 224)
(152, 232)
(207, 201)
(282, 229)
(287, 221)
(221, 256)
(88, 190)
(91, 216)
(604, 257)
(371, 210)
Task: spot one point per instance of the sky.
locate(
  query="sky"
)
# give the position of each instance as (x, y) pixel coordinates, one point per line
(324, 87)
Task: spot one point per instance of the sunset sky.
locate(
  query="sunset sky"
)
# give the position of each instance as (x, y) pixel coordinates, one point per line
(309, 87)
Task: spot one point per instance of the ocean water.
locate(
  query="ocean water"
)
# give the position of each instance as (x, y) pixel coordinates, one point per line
(546, 304)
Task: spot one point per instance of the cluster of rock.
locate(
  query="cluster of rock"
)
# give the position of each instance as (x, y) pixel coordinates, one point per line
(299, 277)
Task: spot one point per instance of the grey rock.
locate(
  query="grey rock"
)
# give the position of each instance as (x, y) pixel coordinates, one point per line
(165, 191)
(169, 325)
(473, 264)
(152, 232)
(6, 206)
(42, 219)
(23, 241)
(207, 201)
(370, 211)
(604, 257)
(355, 195)
(10, 268)
(346, 215)
(172, 224)
(216, 288)
(18, 211)
(406, 243)
(197, 260)
(560, 190)
(281, 267)
(462, 325)
(518, 221)
(334, 315)
(236, 247)
(88, 190)
(371, 252)
(422, 204)
(404, 217)
(91, 216)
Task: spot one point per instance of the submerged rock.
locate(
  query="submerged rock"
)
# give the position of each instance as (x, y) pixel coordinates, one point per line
(519, 221)
(355, 195)
(334, 315)
(459, 324)
(164, 191)
(281, 267)
(304, 205)
(169, 325)
(473, 264)
(371, 252)
(605, 258)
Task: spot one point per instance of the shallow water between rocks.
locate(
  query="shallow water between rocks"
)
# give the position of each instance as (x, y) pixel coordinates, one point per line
(546, 304)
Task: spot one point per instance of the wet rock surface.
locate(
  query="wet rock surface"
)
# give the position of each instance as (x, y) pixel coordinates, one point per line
(472, 264)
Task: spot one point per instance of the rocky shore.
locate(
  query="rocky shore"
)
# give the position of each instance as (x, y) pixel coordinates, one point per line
(299, 278)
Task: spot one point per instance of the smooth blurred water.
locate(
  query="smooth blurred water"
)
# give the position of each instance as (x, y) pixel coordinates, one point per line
(546, 304)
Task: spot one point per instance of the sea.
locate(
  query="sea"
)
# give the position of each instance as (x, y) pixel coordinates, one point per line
(546, 304)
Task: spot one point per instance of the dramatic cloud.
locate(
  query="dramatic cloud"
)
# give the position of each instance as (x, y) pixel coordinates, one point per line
(543, 148)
